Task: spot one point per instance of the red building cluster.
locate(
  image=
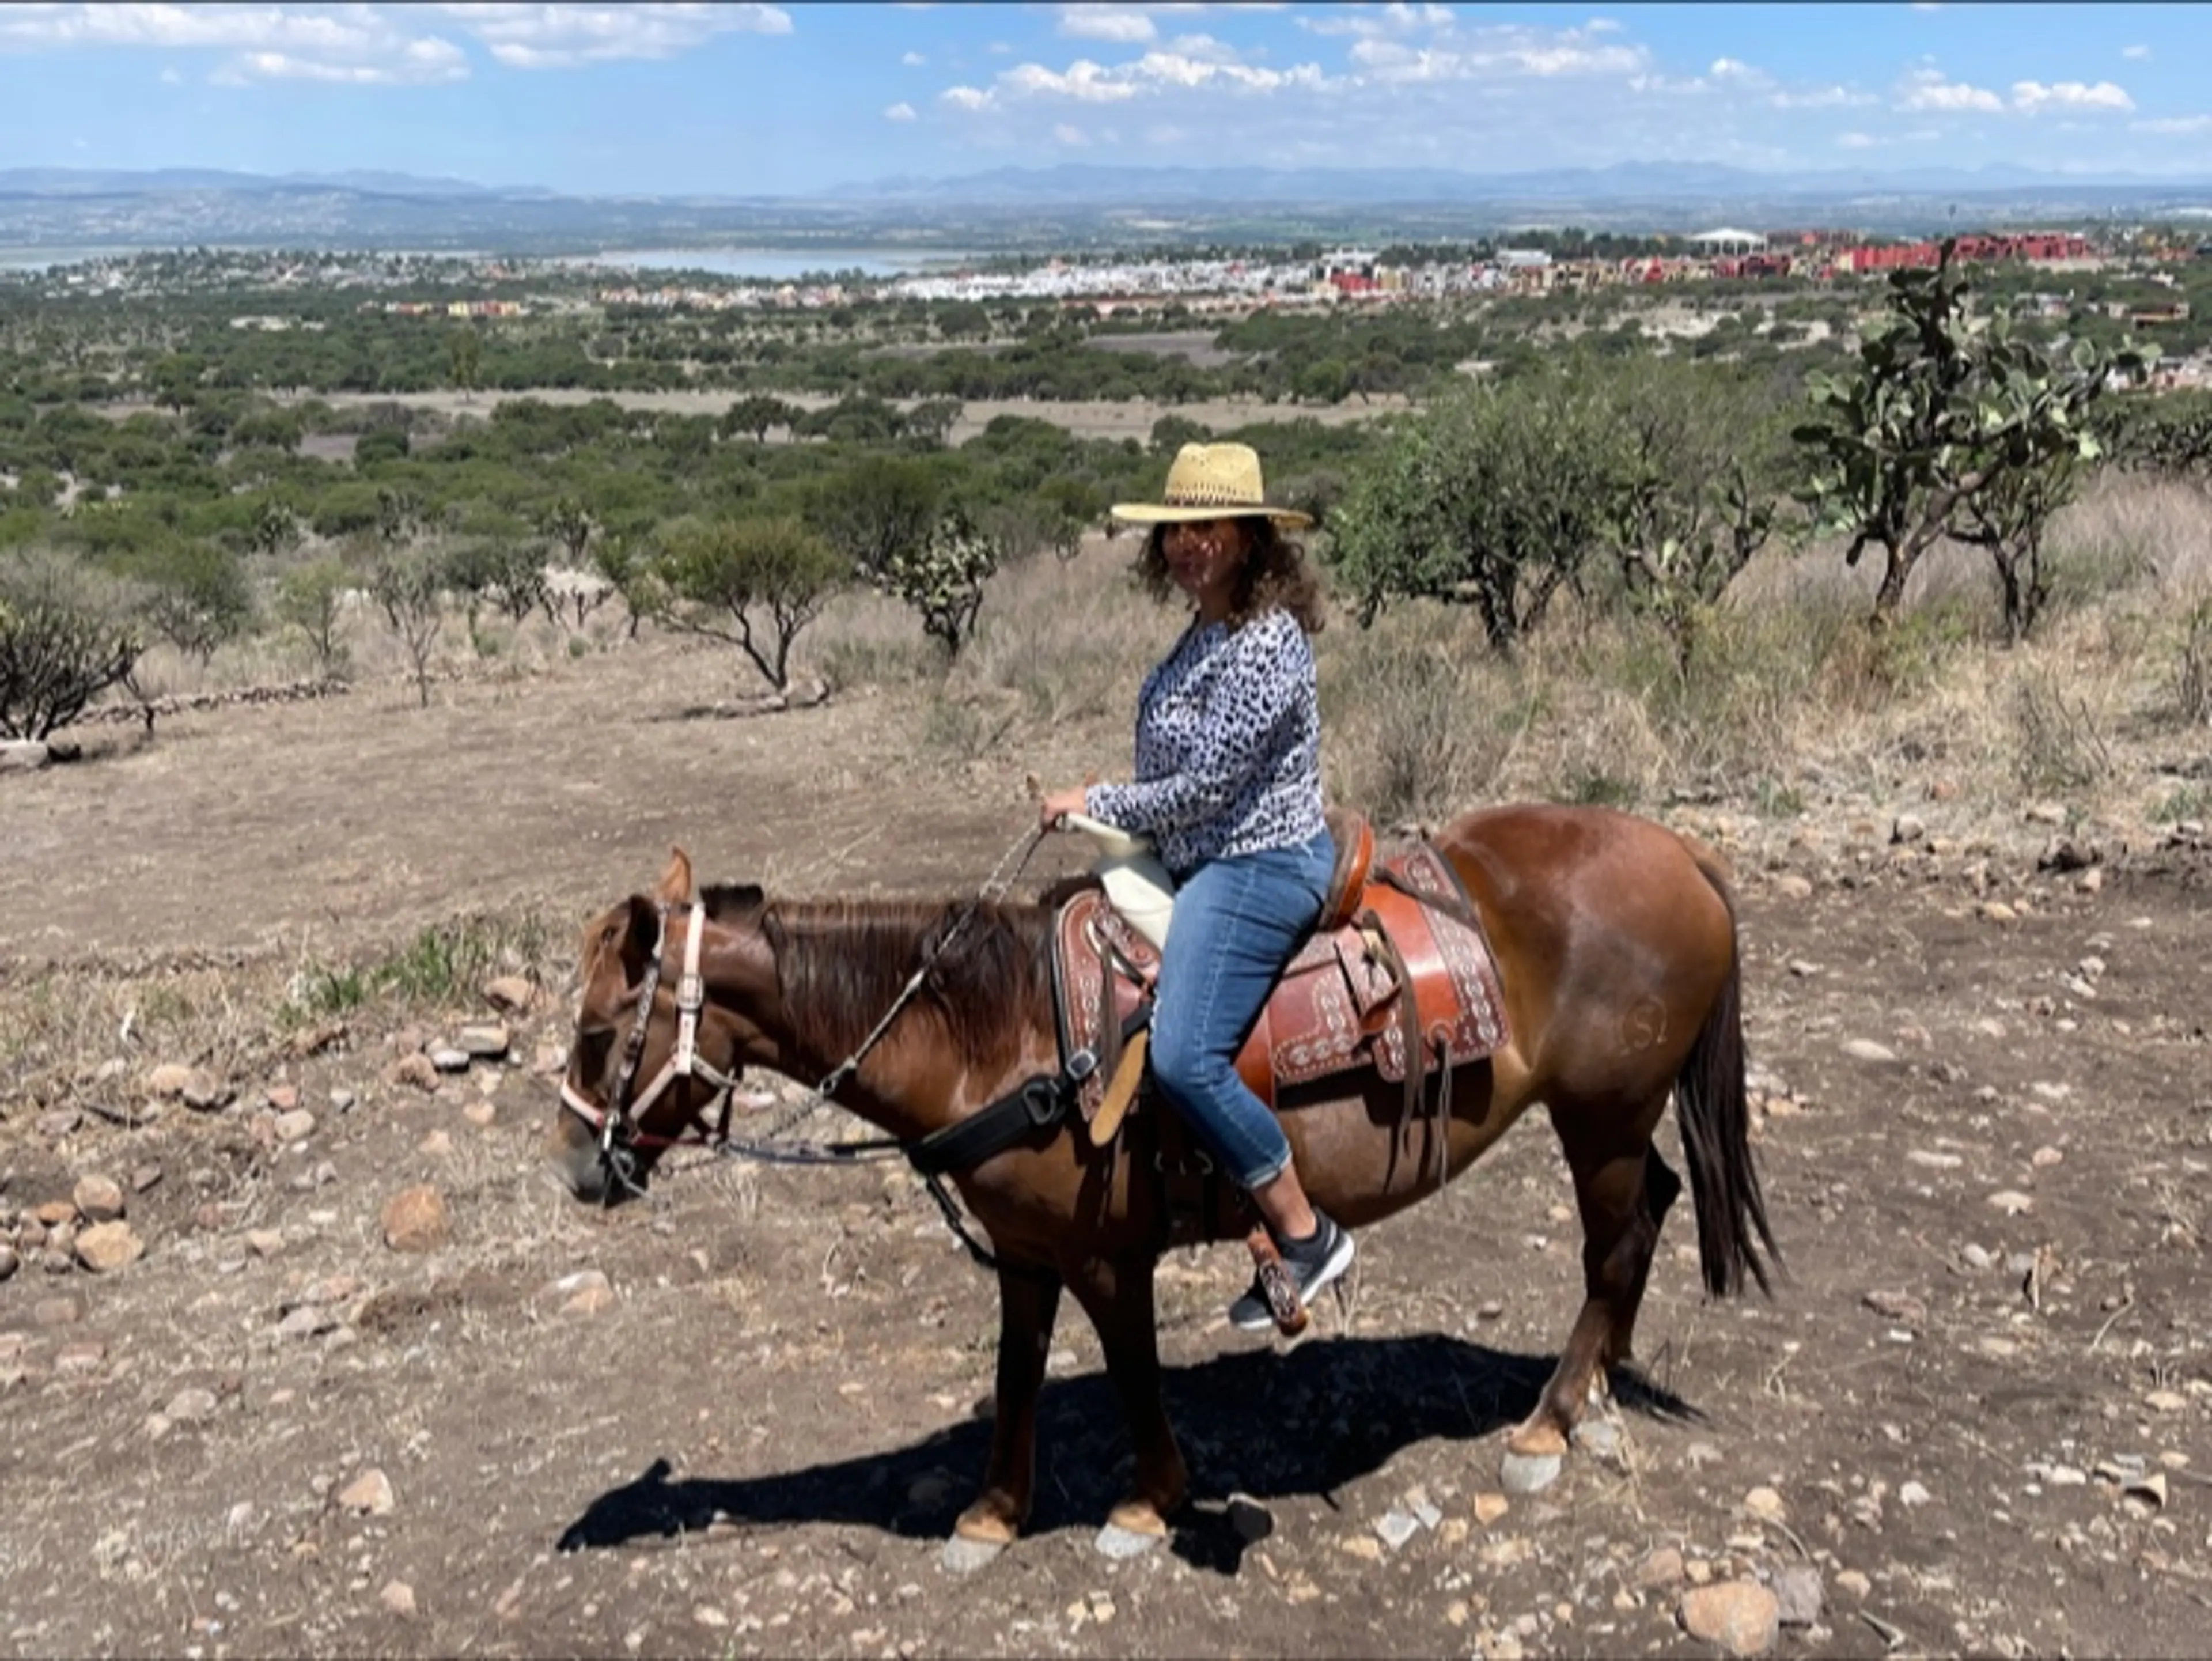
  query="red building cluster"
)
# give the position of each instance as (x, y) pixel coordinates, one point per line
(1914, 256)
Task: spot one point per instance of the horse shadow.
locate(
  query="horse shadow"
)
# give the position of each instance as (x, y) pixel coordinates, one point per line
(1256, 1425)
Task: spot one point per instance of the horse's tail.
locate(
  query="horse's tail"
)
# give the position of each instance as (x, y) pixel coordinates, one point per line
(1713, 1104)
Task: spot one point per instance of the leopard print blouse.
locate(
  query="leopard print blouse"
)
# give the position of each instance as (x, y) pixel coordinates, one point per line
(1228, 748)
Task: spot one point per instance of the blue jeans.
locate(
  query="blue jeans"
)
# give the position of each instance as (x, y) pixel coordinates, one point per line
(1237, 921)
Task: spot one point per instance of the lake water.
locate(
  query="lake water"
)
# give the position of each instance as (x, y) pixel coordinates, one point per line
(780, 265)
(37, 259)
(769, 265)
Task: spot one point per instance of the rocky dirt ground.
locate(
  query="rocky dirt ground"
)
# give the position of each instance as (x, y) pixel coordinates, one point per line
(740, 1420)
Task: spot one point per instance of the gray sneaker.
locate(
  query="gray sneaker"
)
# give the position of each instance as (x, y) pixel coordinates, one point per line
(1313, 1264)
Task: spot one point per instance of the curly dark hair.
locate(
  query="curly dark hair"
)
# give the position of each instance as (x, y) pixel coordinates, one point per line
(1275, 576)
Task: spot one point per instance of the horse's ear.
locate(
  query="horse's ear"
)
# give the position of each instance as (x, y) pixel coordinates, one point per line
(675, 887)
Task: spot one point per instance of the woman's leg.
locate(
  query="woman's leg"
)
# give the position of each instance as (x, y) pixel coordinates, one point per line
(1237, 922)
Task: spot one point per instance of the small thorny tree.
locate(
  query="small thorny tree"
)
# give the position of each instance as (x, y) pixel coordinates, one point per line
(62, 643)
(942, 577)
(1946, 408)
(754, 583)
(409, 586)
(569, 523)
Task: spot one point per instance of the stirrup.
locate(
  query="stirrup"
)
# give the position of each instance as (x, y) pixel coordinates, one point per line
(1276, 1285)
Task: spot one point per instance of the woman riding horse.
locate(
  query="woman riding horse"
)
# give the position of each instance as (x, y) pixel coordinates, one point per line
(1227, 785)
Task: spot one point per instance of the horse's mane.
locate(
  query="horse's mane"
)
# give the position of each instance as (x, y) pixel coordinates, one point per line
(842, 963)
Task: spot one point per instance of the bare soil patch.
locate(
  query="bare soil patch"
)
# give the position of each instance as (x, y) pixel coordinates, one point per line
(756, 1440)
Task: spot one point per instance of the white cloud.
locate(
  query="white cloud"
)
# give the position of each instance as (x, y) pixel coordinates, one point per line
(1501, 51)
(551, 37)
(429, 64)
(358, 30)
(2136, 54)
(1123, 25)
(899, 112)
(1074, 136)
(359, 44)
(914, 60)
(1735, 69)
(1083, 79)
(1370, 20)
(1155, 73)
(1858, 141)
(1927, 89)
(2034, 97)
(1821, 98)
(2182, 125)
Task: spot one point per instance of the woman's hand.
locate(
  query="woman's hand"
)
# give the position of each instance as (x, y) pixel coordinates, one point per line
(1058, 805)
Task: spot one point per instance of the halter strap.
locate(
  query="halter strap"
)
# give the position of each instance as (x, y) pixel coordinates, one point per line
(624, 1112)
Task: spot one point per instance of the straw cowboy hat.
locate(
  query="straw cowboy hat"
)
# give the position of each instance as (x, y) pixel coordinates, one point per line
(1211, 481)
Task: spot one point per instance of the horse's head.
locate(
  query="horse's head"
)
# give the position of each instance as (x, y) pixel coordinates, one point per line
(652, 1061)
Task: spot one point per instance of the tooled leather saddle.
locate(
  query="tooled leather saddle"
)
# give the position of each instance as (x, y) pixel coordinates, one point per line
(1396, 976)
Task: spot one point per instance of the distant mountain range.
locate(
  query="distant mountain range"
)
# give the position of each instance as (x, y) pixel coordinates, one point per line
(1622, 182)
(1061, 206)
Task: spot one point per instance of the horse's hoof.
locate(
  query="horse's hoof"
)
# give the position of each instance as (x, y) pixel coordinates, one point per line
(962, 1555)
(1528, 1473)
(1121, 1545)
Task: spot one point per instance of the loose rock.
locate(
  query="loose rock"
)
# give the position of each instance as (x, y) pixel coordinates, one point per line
(105, 1247)
(1799, 1595)
(511, 993)
(189, 1406)
(415, 1220)
(308, 1320)
(487, 1043)
(370, 1494)
(399, 1597)
(417, 1070)
(204, 1092)
(169, 1079)
(99, 1198)
(1764, 1504)
(1742, 1618)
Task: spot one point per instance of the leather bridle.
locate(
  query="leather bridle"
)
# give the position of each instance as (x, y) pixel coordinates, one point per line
(617, 1122)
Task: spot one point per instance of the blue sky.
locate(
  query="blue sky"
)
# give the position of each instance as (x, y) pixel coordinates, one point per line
(783, 99)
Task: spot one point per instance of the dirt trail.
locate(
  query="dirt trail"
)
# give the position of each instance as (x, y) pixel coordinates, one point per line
(1984, 1143)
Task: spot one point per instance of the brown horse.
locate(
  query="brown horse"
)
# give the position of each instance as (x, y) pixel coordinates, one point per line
(1616, 946)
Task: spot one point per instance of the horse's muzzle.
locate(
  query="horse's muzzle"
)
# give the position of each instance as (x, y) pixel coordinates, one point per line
(594, 1175)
